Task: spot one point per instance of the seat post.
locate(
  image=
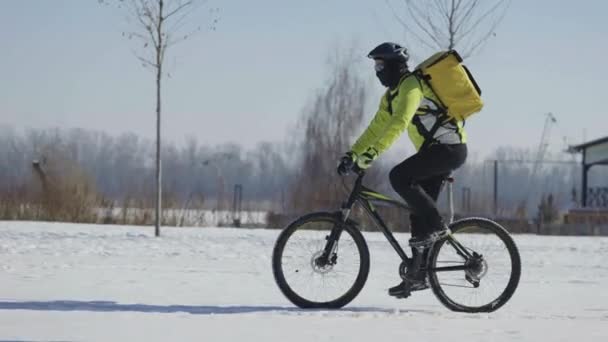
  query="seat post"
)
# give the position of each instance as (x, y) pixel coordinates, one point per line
(450, 181)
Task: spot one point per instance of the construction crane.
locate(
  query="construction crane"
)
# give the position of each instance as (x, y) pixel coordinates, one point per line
(544, 142)
(542, 150)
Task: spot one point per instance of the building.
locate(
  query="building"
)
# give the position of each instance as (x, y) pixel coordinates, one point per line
(594, 153)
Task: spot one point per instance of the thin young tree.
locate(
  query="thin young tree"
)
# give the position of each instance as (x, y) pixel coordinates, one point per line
(465, 25)
(159, 25)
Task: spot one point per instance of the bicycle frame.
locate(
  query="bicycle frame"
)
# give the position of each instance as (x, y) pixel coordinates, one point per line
(368, 199)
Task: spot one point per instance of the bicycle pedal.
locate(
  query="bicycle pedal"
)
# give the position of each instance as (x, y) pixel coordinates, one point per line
(401, 295)
(419, 287)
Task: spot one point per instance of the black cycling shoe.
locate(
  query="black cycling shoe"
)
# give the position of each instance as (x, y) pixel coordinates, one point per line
(415, 276)
(406, 287)
(401, 290)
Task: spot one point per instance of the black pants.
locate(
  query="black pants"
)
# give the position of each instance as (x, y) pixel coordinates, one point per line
(419, 178)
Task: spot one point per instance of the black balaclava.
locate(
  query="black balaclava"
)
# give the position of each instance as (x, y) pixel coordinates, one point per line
(392, 72)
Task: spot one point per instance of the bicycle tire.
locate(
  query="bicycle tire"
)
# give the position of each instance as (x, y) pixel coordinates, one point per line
(279, 275)
(493, 228)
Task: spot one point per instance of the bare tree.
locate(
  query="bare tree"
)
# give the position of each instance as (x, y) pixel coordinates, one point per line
(160, 24)
(328, 125)
(449, 24)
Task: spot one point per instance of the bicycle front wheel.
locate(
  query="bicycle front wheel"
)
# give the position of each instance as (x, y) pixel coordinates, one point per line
(310, 279)
(477, 268)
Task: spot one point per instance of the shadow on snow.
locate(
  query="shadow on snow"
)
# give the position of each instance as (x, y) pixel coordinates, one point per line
(109, 306)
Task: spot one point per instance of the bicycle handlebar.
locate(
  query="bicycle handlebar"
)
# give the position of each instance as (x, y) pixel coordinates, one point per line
(357, 171)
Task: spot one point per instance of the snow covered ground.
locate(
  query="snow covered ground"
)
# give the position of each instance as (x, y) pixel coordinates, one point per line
(65, 282)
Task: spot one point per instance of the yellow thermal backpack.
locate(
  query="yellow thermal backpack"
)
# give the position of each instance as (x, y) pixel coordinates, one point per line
(453, 84)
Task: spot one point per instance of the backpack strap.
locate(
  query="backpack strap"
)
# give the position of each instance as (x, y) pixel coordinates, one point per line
(421, 77)
(429, 135)
(390, 97)
(441, 113)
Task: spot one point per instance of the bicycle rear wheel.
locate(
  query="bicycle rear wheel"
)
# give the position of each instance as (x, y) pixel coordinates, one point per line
(485, 263)
(306, 278)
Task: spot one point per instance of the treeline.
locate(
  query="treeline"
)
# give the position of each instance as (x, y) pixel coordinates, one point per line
(70, 174)
(123, 166)
(273, 177)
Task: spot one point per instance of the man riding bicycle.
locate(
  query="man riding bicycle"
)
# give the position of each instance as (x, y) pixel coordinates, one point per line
(440, 141)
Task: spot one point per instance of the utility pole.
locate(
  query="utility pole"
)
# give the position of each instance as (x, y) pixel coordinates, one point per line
(237, 205)
(584, 176)
(495, 188)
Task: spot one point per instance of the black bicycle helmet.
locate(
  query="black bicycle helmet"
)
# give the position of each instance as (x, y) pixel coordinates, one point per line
(389, 51)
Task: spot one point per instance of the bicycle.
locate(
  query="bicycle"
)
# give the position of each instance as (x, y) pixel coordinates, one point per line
(329, 253)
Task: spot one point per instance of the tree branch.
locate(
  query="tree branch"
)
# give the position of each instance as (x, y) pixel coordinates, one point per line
(406, 26)
(442, 9)
(130, 35)
(179, 8)
(159, 24)
(145, 61)
(451, 20)
(452, 23)
(457, 5)
(144, 10)
(414, 13)
(467, 14)
(483, 16)
(488, 34)
(142, 13)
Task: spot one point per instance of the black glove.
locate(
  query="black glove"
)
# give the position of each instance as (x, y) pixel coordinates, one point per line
(346, 164)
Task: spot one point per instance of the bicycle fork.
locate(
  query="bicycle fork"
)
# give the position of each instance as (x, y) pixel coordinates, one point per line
(331, 245)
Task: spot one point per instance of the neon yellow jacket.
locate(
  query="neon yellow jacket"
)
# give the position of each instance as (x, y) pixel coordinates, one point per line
(407, 100)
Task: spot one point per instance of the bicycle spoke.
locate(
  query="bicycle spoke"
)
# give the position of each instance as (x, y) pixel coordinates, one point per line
(325, 282)
(490, 265)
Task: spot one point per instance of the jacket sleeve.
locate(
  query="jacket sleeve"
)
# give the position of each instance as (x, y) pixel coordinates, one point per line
(405, 106)
(374, 130)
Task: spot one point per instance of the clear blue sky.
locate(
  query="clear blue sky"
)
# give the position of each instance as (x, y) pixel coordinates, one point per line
(64, 63)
